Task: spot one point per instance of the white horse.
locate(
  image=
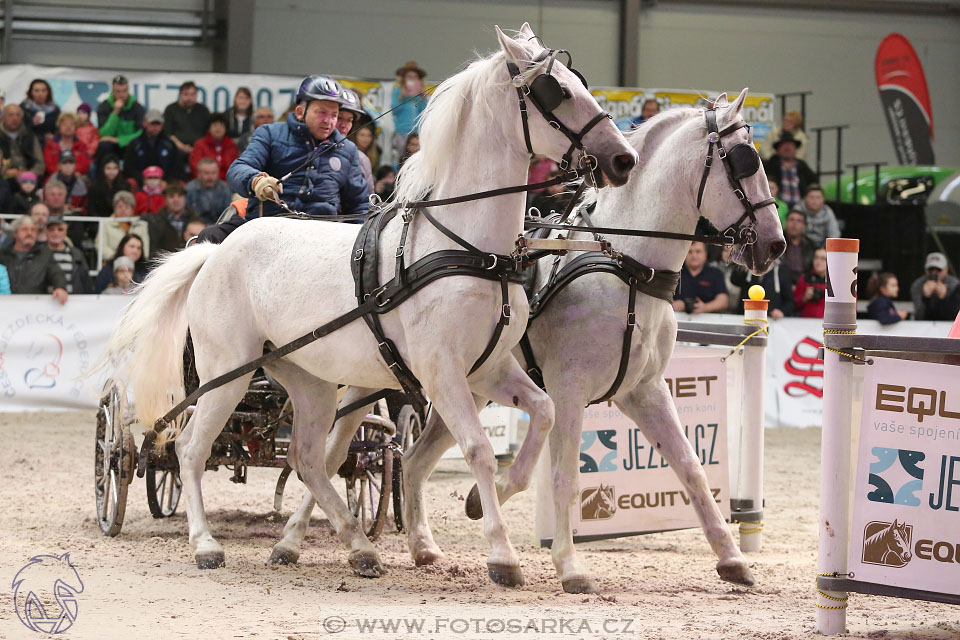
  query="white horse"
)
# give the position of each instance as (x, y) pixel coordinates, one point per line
(276, 279)
(578, 339)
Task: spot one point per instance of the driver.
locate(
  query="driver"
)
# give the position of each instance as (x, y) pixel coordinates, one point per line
(326, 179)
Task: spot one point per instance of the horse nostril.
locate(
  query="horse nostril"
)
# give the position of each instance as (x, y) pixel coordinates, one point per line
(777, 247)
(623, 163)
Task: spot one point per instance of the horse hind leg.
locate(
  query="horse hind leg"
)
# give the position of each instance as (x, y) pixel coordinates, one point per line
(287, 551)
(193, 448)
(314, 406)
(653, 411)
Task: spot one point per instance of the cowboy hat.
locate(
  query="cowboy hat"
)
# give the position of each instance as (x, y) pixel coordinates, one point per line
(786, 136)
(411, 66)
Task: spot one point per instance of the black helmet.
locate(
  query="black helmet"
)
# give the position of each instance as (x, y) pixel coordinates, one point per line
(350, 101)
(319, 88)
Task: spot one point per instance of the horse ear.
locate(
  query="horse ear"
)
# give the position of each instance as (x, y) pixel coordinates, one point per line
(527, 32)
(738, 103)
(721, 101)
(65, 557)
(511, 48)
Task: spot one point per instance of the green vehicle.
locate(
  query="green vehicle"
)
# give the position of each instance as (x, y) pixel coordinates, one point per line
(899, 184)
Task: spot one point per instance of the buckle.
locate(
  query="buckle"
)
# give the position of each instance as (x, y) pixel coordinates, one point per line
(739, 194)
(631, 319)
(399, 253)
(358, 256)
(505, 311)
(564, 163)
(494, 265)
(721, 152)
(708, 161)
(653, 272)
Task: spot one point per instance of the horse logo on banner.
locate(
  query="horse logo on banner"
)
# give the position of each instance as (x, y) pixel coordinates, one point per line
(598, 503)
(887, 544)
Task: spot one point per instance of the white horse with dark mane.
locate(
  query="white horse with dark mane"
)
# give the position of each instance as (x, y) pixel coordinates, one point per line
(578, 337)
(277, 279)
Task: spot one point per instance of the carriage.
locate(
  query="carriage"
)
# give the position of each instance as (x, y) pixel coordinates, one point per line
(256, 435)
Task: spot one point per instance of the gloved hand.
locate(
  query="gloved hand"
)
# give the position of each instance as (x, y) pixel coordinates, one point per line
(266, 187)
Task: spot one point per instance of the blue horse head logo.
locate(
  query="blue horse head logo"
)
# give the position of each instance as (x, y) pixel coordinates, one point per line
(45, 593)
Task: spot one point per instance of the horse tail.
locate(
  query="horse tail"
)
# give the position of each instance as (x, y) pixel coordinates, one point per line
(146, 348)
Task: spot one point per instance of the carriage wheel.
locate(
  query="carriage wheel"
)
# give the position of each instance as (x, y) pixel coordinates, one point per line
(370, 481)
(114, 457)
(163, 492)
(409, 427)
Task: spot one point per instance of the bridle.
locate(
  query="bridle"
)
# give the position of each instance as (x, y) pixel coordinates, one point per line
(741, 161)
(546, 93)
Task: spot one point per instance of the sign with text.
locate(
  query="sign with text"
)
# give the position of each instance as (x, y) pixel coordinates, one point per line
(905, 529)
(626, 486)
(499, 424)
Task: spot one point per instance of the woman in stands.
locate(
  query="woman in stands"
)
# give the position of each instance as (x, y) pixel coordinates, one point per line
(131, 246)
(240, 115)
(40, 112)
(109, 182)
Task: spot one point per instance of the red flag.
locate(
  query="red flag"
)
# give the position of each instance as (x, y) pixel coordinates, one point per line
(906, 101)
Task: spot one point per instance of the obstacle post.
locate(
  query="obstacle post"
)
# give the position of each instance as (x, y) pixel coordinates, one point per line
(751, 455)
(840, 316)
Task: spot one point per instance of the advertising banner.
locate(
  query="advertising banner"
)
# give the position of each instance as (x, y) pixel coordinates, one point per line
(906, 100)
(905, 529)
(500, 424)
(626, 487)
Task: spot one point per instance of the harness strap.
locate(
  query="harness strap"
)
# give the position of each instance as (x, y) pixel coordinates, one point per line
(523, 119)
(627, 343)
(502, 321)
(573, 202)
(613, 231)
(533, 370)
(450, 234)
(362, 402)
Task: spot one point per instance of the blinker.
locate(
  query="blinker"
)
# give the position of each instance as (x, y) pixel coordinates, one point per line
(744, 160)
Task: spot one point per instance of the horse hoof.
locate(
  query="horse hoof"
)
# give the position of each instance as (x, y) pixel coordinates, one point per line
(737, 572)
(426, 557)
(506, 575)
(366, 565)
(280, 556)
(473, 507)
(212, 560)
(581, 584)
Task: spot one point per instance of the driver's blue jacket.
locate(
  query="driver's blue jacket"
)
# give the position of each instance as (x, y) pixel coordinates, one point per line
(331, 183)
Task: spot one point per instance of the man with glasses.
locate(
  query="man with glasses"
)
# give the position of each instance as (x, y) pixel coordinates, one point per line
(120, 118)
(324, 167)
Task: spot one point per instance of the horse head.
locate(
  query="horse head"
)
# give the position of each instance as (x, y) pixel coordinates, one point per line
(900, 541)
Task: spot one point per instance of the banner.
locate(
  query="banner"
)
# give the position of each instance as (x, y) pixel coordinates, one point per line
(626, 487)
(499, 424)
(46, 347)
(905, 99)
(905, 529)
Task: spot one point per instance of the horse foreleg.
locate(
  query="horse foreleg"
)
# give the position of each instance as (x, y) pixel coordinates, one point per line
(451, 395)
(193, 448)
(287, 551)
(509, 385)
(652, 409)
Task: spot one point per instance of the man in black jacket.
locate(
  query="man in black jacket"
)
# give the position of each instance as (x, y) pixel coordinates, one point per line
(791, 174)
(31, 266)
(19, 146)
(152, 148)
(68, 258)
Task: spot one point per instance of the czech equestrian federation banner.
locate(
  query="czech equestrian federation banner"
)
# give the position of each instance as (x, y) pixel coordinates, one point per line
(626, 487)
(905, 99)
(905, 529)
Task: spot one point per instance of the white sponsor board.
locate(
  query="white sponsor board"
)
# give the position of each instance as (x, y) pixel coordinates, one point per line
(500, 424)
(626, 487)
(46, 347)
(905, 529)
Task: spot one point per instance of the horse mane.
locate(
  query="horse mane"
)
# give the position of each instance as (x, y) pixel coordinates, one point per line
(444, 116)
(646, 138)
(878, 536)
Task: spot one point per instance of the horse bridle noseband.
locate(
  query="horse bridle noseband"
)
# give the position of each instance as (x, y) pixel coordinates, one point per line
(741, 161)
(546, 93)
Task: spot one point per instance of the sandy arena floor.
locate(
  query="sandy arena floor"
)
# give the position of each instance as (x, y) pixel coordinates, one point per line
(143, 584)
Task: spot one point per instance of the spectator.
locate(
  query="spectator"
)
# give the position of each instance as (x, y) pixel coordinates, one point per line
(385, 178)
(66, 140)
(192, 229)
(798, 257)
(821, 221)
(240, 114)
(21, 150)
(68, 258)
(86, 132)
(932, 291)
(120, 118)
(541, 169)
(30, 265)
(649, 109)
(152, 148)
(810, 293)
(791, 174)
(27, 196)
(207, 194)
(55, 197)
(185, 121)
(262, 116)
(792, 123)
(40, 112)
(881, 307)
(109, 182)
(215, 145)
(553, 198)
(782, 208)
(701, 289)
(777, 284)
(728, 269)
(74, 184)
(411, 147)
(150, 199)
(3, 98)
(40, 214)
(4, 281)
(166, 227)
(366, 140)
(347, 118)
(122, 283)
(130, 246)
(407, 104)
(113, 231)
